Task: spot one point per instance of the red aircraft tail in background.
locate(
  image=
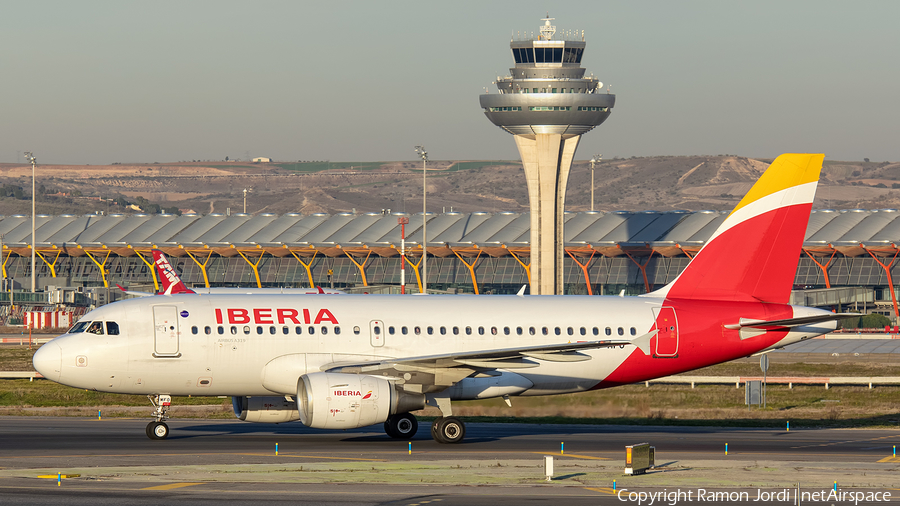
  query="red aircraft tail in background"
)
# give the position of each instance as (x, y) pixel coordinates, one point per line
(170, 282)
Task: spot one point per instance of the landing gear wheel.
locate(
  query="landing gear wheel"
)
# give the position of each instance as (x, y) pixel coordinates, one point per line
(448, 430)
(402, 426)
(157, 430)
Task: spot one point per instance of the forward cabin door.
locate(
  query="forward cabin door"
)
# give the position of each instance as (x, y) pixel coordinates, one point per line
(165, 331)
(376, 333)
(667, 337)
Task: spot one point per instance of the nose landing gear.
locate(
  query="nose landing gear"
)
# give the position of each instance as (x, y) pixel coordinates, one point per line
(158, 429)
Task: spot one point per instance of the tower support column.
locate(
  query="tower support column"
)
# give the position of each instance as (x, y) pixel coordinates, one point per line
(547, 159)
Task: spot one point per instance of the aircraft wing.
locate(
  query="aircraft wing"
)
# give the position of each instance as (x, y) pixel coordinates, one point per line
(436, 372)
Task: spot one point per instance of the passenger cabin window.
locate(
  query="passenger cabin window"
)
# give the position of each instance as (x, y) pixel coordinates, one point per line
(220, 330)
(207, 330)
(583, 331)
(455, 331)
(480, 331)
(443, 331)
(608, 331)
(430, 331)
(112, 328)
(95, 328)
(325, 330)
(468, 331)
(356, 330)
(494, 331)
(403, 330)
(596, 331)
(233, 329)
(417, 330)
(195, 330)
(545, 331)
(337, 330)
(259, 329)
(312, 330)
(247, 329)
(633, 331)
(285, 330)
(532, 330)
(570, 331)
(272, 330)
(505, 331)
(519, 331)
(298, 330)
(621, 331)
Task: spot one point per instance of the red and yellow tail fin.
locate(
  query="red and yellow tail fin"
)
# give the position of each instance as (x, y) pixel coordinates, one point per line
(753, 255)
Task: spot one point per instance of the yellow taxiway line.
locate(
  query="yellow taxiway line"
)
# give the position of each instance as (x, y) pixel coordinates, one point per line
(172, 486)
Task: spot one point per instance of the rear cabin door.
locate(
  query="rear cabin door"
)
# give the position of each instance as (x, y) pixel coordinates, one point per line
(165, 331)
(376, 331)
(667, 338)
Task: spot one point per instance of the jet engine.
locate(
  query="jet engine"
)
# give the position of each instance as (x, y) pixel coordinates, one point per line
(346, 401)
(265, 409)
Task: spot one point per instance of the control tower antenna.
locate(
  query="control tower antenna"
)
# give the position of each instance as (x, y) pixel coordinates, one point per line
(548, 30)
(547, 103)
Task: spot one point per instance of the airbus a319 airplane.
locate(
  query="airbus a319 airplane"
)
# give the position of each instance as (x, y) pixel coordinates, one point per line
(354, 360)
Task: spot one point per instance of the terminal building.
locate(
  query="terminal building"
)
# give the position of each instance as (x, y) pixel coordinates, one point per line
(849, 258)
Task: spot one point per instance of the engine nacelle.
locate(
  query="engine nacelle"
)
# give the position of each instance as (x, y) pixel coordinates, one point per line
(346, 401)
(265, 409)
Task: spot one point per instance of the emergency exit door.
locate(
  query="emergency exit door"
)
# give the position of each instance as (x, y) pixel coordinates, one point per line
(667, 337)
(165, 331)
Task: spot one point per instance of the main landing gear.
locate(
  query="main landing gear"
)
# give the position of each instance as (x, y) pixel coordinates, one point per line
(401, 426)
(158, 429)
(446, 429)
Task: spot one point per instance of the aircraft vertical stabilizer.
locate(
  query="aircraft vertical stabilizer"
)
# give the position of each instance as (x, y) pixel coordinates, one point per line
(753, 255)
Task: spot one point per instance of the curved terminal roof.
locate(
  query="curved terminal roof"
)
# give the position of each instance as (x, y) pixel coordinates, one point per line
(669, 233)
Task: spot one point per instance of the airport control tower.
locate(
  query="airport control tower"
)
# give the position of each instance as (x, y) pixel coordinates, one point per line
(547, 103)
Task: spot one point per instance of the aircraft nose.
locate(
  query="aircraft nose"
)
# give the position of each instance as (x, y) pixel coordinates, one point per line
(48, 361)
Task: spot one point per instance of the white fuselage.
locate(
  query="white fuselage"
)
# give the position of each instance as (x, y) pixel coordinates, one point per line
(260, 345)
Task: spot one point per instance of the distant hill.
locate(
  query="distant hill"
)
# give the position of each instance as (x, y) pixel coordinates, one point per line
(659, 183)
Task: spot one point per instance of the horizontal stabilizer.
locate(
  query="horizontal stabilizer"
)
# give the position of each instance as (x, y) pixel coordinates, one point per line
(643, 342)
(789, 322)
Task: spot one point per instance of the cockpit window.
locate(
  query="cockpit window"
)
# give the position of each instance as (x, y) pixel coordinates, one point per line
(95, 328)
(112, 328)
(78, 327)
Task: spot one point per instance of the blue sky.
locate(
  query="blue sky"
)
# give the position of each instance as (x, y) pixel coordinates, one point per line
(109, 81)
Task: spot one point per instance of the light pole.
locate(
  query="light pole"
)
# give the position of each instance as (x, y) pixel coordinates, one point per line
(245, 201)
(402, 221)
(30, 156)
(424, 154)
(594, 160)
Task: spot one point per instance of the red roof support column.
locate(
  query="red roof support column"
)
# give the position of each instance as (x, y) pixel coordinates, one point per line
(887, 271)
(643, 268)
(584, 269)
(823, 267)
